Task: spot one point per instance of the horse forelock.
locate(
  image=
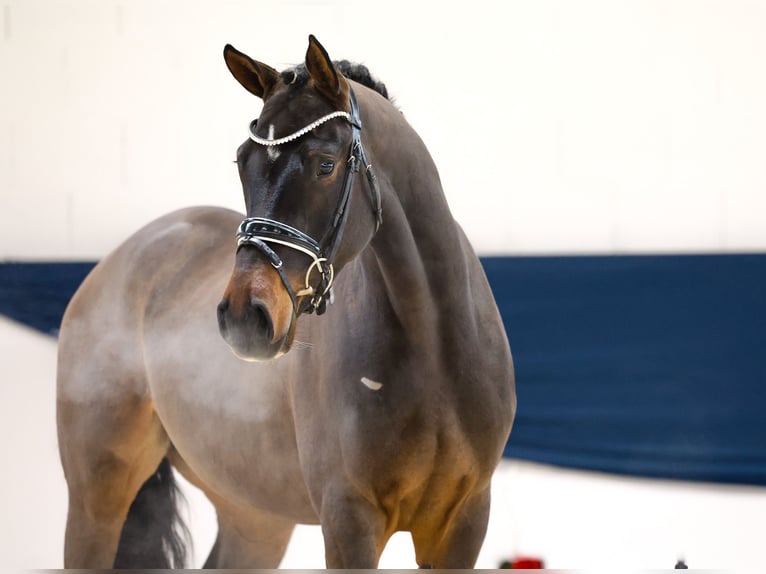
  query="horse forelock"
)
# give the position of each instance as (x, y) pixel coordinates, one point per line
(297, 76)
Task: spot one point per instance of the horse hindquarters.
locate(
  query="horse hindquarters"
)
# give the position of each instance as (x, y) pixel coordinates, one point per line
(110, 438)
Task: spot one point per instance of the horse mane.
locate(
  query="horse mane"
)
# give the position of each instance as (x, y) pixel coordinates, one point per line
(297, 76)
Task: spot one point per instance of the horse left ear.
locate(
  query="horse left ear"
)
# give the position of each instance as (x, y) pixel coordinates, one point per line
(327, 80)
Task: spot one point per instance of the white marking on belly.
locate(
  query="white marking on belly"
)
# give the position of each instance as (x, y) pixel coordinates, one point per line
(372, 385)
(272, 151)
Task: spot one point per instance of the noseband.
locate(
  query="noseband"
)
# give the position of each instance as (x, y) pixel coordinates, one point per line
(261, 231)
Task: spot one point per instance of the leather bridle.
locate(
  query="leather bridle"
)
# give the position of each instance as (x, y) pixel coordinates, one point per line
(259, 232)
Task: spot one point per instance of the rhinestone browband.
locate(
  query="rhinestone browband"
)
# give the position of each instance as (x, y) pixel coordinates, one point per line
(299, 133)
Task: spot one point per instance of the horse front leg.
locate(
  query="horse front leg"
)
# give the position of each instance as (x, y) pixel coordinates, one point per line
(353, 531)
(457, 544)
(248, 541)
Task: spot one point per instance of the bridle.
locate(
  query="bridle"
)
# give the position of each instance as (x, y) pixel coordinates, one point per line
(261, 231)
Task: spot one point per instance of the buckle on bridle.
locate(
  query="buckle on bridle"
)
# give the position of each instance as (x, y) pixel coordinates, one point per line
(356, 155)
(328, 274)
(319, 300)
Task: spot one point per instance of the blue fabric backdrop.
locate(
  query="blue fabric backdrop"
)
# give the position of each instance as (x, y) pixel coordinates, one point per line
(642, 365)
(652, 366)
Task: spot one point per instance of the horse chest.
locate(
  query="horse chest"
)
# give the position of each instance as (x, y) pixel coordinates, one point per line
(396, 434)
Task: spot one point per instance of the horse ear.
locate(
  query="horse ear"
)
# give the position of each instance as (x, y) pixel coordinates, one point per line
(256, 77)
(327, 80)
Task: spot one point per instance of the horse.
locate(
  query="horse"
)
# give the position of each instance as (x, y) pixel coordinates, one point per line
(334, 357)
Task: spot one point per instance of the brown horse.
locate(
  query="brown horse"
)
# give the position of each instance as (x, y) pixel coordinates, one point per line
(388, 412)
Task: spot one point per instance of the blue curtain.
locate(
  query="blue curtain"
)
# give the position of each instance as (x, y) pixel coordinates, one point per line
(650, 366)
(37, 294)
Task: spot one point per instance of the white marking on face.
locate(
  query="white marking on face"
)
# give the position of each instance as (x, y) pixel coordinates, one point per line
(272, 151)
(372, 385)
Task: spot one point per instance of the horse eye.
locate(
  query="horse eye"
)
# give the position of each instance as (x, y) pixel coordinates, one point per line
(326, 167)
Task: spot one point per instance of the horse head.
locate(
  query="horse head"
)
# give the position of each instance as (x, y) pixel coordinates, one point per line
(297, 172)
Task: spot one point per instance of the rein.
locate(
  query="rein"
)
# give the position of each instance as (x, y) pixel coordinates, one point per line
(261, 231)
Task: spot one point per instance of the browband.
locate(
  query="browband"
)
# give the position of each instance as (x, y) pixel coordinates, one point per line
(299, 133)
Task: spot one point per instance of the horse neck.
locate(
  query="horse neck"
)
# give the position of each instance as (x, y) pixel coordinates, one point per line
(419, 249)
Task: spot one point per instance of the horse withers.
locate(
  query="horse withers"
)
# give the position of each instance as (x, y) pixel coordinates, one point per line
(336, 357)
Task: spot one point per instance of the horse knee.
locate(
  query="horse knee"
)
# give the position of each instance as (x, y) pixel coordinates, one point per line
(354, 533)
(457, 545)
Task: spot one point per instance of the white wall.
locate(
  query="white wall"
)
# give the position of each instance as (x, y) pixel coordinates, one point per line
(558, 126)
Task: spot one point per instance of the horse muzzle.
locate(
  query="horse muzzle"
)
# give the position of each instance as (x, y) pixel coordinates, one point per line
(255, 316)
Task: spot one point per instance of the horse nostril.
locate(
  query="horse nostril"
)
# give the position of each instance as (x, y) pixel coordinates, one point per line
(253, 322)
(223, 306)
(261, 319)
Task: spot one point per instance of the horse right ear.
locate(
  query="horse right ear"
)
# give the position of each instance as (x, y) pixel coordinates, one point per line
(256, 77)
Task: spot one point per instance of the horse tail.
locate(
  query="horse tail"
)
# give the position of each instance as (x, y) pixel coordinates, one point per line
(154, 534)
